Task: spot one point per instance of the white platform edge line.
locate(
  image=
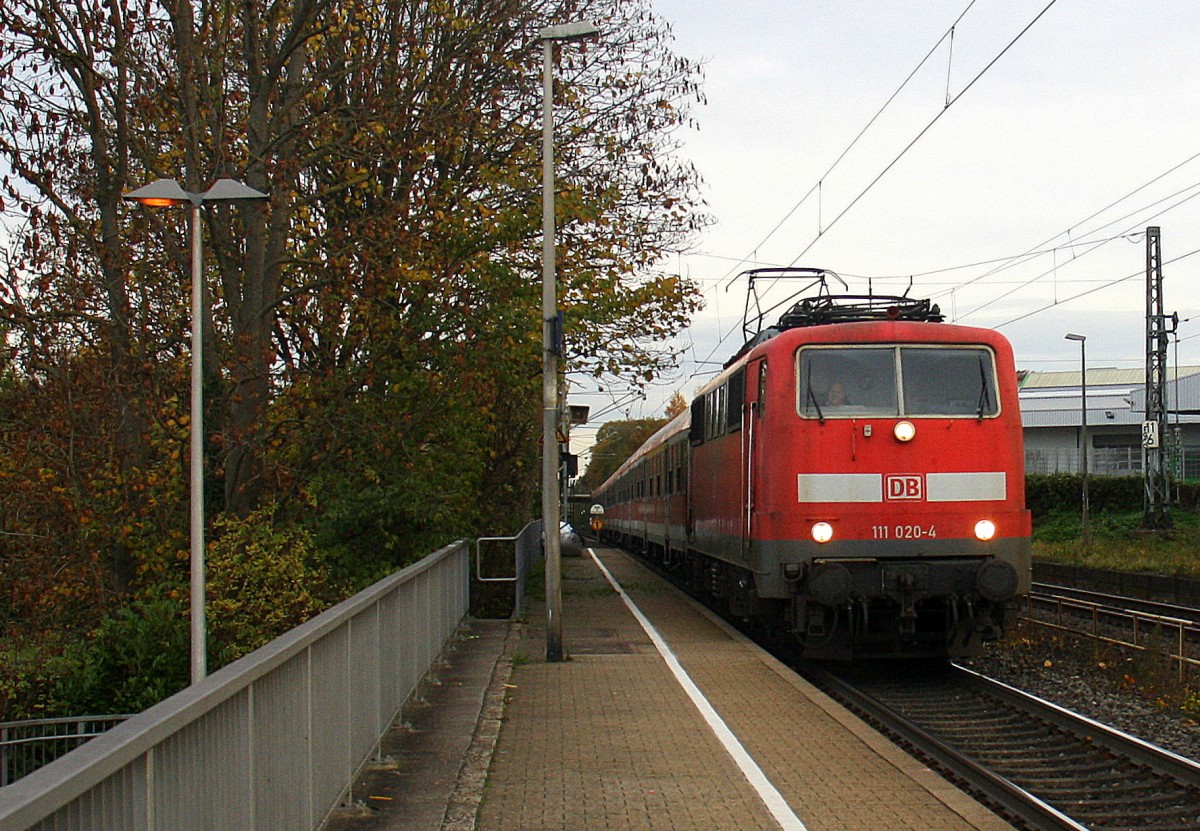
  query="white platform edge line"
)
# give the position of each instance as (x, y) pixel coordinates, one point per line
(767, 792)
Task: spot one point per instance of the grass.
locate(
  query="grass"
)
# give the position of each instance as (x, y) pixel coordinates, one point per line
(1119, 542)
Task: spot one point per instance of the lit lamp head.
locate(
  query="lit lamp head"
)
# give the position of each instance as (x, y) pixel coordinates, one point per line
(165, 193)
(161, 193)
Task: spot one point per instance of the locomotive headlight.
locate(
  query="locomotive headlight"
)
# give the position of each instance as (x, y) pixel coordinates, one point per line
(985, 529)
(904, 431)
(822, 532)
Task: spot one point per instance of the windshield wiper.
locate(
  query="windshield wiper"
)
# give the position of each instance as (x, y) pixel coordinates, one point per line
(813, 399)
(985, 400)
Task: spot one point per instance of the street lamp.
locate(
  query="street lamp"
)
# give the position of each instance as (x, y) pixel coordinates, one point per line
(1083, 434)
(163, 193)
(551, 525)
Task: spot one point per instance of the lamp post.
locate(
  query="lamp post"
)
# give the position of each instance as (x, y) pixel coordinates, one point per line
(1083, 434)
(163, 193)
(550, 347)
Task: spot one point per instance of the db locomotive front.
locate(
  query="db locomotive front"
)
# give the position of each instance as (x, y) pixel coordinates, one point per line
(855, 476)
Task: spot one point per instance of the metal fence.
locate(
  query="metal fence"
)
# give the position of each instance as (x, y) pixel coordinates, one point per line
(271, 741)
(27, 745)
(1110, 461)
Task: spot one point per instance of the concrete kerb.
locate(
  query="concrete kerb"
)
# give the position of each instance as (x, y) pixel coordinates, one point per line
(463, 809)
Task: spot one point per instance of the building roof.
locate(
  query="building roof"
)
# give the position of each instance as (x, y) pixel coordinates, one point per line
(1097, 376)
(1115, 397)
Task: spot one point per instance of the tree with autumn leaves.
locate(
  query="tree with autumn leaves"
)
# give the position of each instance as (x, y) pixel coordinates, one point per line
(372, 332)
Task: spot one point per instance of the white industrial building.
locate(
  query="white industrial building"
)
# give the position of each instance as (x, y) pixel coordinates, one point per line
(1051, 413)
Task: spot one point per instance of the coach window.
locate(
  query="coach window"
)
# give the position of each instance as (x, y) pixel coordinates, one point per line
(842, 382)
(736, 398)
(762, 389)
(718, 414)
(714, 423)
(696, 426)
(948, 381)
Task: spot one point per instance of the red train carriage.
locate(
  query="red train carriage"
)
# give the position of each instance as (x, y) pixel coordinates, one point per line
(859, 482)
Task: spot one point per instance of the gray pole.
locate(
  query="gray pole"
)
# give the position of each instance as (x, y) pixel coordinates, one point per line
(550, 487)
(550, 516)
(1156, 476)
(1087, 530)
(198, 622)
(165, 193)
(1083, 436)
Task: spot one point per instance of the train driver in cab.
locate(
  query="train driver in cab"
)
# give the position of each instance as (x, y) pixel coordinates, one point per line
(836, 396)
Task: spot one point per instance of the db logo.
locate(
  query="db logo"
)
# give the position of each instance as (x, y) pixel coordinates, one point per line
(904, 486)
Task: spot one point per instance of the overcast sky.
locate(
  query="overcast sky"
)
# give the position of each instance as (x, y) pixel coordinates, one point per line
(1095, 104)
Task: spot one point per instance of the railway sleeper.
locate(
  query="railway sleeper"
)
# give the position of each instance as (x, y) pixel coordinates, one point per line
(1150, 801)
(1041, 765)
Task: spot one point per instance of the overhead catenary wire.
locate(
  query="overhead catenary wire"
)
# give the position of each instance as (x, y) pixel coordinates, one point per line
(816, 187)
(1094, 247)
(1109, 284)
(924, 130)
(1036, 249)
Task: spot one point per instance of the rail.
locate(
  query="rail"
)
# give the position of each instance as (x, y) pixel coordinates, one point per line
(1107, 622)
(272, 741)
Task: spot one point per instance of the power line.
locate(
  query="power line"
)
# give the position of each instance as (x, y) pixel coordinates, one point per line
(926, 129)
(1107, 285)
(950, 102)
(1040, 249)
(1032, 251)
(1090, 250)
(817, 186)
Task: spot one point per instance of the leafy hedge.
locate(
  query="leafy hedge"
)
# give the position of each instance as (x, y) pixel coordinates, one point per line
(1045, 494)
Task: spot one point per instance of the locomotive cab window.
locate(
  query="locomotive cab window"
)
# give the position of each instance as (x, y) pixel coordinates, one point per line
(847, 381)
(949, 381)
(883, 381)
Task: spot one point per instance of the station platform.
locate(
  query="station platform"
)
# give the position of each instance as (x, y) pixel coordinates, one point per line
(664, 717)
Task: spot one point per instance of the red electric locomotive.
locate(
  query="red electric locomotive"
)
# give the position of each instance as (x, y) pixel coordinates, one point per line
(855, 475)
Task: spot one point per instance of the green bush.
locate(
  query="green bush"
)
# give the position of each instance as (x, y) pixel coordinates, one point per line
(135, 658)
(369, 527)
(1046, 494)
(262, 581)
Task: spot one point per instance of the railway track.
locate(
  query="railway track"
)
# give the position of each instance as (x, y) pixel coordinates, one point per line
(1037, 764)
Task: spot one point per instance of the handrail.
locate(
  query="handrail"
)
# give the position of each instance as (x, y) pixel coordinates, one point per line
(522, 545)
(1097, 611)
(272, 740)
(515, 538)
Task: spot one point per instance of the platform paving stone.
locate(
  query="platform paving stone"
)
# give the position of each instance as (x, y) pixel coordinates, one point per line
(609, 740)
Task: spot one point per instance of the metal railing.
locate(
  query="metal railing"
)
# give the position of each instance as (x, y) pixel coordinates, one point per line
(272, 741)
(27, 745)
(1126, 628)
(527, 546)
(1109, 461)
